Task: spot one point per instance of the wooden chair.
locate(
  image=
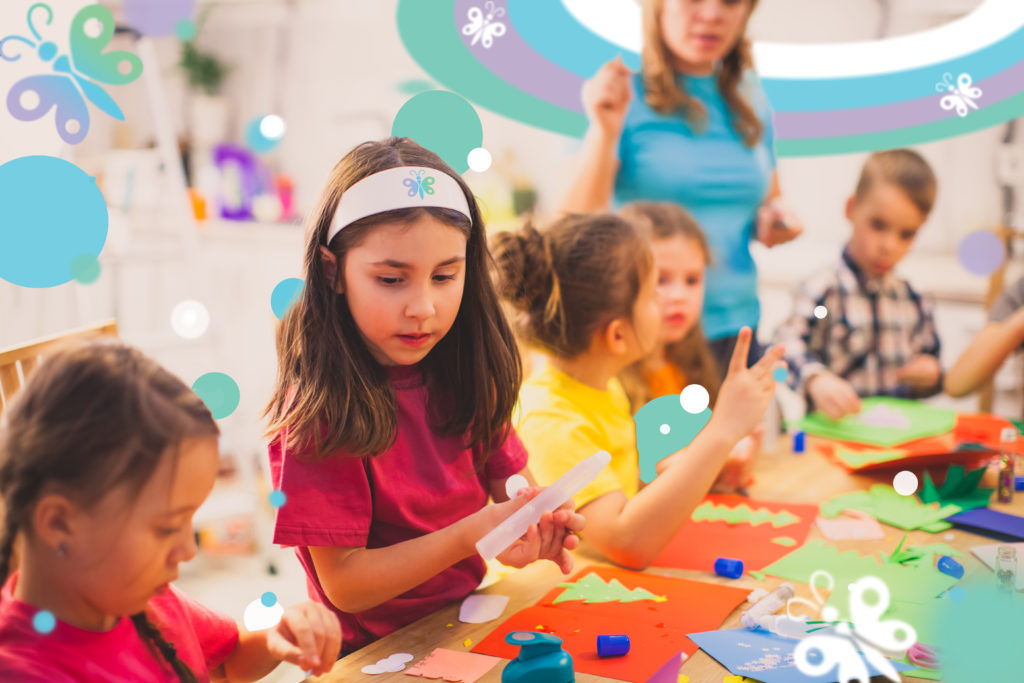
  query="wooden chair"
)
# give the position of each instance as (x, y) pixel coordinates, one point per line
(17, 362)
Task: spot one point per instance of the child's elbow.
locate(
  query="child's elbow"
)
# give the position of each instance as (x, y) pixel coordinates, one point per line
(348, 600)
(630, 557)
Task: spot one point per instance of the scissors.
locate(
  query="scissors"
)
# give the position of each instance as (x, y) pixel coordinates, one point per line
(923, 656)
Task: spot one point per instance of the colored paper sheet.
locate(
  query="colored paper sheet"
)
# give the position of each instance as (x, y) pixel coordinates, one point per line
(990, 523)
(959, 488)
(481, 608)
(987, 554)
(883, 421)
(700, 542)
(852, 525)
(592, 589)
(784, 540)
(711, 511)
(451, 665)
(889, 507)
(763, 656)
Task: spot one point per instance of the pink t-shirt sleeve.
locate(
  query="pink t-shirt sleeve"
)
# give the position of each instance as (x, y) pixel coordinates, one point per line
(216, 633)
(509, 459)
(327, 502)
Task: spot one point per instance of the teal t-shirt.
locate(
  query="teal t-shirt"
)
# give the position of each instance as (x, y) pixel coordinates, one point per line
(717, 178)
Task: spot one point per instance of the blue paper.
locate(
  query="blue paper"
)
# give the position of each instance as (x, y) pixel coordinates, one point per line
(990, 523)
(745, 652)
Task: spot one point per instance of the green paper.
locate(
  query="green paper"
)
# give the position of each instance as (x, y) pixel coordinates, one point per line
(757, 575)
(856, 459)
(592, 589)
(885, 505)
(784, 540)
(958, 489)
(742, 513)
(921, 421)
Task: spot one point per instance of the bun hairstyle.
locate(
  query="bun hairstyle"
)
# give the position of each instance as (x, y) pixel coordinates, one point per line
(568, 281)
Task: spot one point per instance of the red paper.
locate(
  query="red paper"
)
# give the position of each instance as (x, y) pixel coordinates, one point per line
(451, 665)
(699, 544)
(657, 630)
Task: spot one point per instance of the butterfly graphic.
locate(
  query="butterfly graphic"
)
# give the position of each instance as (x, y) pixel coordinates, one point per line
(73, 77)
(961, 95)
(420, 185)
(484, 28)
(866, 636)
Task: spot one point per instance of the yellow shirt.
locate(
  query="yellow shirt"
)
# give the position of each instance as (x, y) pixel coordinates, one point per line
(562, 422)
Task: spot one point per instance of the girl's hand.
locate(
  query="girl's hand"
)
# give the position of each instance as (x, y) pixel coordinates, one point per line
(737, 473)
(746, 392)
(776, 223)
(550, 539)
(606, 97)
(308, 636)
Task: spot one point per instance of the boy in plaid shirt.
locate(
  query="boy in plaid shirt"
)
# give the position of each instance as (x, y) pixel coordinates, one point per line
(857, 329)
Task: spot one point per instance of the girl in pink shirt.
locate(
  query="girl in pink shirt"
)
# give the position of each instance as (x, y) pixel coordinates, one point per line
(103, 462)
(397, 377)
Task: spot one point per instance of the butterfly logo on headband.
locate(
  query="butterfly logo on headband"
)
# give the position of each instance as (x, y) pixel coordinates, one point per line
(421, 185)
(73, 80)
(961, 95)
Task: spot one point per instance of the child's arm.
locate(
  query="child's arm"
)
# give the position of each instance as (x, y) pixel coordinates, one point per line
(633, 531)
(308, 636)
(986, 353)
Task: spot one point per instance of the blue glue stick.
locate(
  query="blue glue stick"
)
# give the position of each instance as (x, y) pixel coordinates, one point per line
(729, 568)
(799, 442)
(612, 646)
(950, 567)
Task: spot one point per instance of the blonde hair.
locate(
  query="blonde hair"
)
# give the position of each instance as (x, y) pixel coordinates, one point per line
(665, 96)
(691, 354)
(904, 168)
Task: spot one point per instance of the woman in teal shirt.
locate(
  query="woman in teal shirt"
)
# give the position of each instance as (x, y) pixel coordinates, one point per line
(701, 136)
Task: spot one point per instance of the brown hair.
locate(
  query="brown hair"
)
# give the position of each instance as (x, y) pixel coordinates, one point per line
(666, 96)
(90, 418)
(331, 392)
(904, 168)
(691, 354)
(572, 279)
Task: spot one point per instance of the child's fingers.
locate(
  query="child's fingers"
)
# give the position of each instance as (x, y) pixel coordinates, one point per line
(564, 562)
(283, 649)
(738, 362)
(303, 636)
(331, 630)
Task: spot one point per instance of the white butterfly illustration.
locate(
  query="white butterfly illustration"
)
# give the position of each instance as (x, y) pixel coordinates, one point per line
(847, 645)
(961, 95)
(483, 27)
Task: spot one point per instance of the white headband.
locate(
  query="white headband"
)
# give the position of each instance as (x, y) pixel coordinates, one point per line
(404, 187)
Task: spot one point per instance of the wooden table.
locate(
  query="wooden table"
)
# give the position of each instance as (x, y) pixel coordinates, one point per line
(781, 476)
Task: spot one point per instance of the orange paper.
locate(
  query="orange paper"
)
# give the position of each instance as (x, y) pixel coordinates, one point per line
(451, 665)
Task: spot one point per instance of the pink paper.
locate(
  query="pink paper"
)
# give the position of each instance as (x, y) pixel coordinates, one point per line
(853, 525)
(451, 665)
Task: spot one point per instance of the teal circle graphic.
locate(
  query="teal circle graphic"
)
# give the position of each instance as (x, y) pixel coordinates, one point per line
(85, 269)
(186, 29)
(219, 392)
(286, 293)
(257, 140)
(53, 216)
(444, 123)
(780, 374)
(978, 636)
(277, 498)
(268, 599)
(44, 622)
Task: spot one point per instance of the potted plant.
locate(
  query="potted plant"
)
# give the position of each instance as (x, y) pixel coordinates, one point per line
(205, 74)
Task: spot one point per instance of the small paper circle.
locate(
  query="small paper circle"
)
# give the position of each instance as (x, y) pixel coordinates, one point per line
(820, 312)
(479, 159)
(664, 429)
(905, 483)
(514, 483)
(694, 399)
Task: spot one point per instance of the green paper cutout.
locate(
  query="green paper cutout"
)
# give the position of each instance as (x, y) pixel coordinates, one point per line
(900, 556)
(885, 505)
(784, 540)
(856, 459)
(958, 489)
(924, 421)
(742, 513)
(757, 575)
(592, 589)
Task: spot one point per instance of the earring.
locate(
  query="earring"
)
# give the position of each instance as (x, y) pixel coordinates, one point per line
(62, 549)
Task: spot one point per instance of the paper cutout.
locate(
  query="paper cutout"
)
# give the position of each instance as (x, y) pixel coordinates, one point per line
(915, 555)
(883, 503)
(763, 655)
(784, 541)
(591, 589)
(958, 489)
(987, 554)
(883, 429)
(757, 575)
(991, 523)
(452, 665)
(657, 630)
(481, 608)
(699, 543)
(709, 511)
(853, 525)
(388, 665)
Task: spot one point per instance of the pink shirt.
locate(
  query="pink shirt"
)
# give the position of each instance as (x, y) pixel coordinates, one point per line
(423, 483)
(202, 638)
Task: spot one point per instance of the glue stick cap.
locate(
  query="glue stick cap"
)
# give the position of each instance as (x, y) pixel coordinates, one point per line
(729, 568)
(612, 646)
(950, 567)
(799, 442)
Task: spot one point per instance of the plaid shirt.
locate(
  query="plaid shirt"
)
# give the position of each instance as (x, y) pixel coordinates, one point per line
(871, 328)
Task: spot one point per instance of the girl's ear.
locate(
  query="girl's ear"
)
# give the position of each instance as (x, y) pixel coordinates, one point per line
(52, 520)
(330, 265)
(616, 336)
